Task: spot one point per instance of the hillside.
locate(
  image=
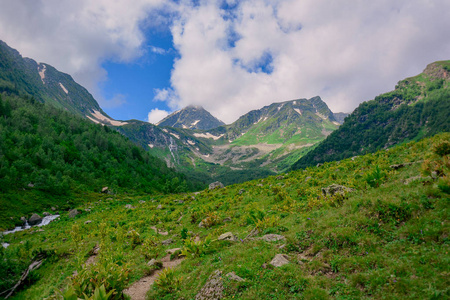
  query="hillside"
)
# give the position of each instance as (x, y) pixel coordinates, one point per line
(191, 117)
(372, 227)
(417, 108)
(48, 157)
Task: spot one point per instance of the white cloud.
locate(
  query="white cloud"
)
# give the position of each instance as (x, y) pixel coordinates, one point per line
(156, 115)
(345, 51)
(77, 36)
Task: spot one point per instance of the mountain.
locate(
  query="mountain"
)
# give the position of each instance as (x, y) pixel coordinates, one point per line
(340, 117)
(354, 229)
(418, 107)
(46, 84)
(191, 117)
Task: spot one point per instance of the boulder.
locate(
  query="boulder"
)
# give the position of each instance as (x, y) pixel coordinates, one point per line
(73, 213)
(227, 236)
(233, 276)
(280, 260)
(105, 190)
(34, 220)
(213, 288)
(216, 185)
(167, 242)
(272, 237)
(335, 189)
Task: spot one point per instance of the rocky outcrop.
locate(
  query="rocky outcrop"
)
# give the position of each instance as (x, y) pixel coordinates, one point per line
(335, 189)
(216, 185)
(227, 236)
(34, 220)
(280, 260)
(213, 288)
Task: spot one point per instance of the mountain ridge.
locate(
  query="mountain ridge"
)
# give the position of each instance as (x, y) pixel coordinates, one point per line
(191, 117)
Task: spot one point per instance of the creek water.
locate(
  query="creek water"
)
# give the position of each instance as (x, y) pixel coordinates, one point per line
(45, 221)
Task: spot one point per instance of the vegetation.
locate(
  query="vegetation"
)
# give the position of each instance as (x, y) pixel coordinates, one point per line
(384, 238)
(49, 157)
(417, 108)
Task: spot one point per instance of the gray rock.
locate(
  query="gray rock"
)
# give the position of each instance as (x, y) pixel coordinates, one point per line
(46, 214)
(241, 191)
(260, 185)
(30, 185)
(307, 178)
(23, 219)
(272, 237)
(280, 260)
(167, 242)
(105, 190)
(34, 220)
(87, 210)
(280, 177)
(88, 222)
(141, 201)
(227, 236)
(213, 288)
(216, 185)
(159, 207)
(129, 206)
(173, 250)
(53, 208)
(152, 262)
(73, 213)
(319, 165)
(227, 219)
(233, 276)
(334, 189)
(201, 224)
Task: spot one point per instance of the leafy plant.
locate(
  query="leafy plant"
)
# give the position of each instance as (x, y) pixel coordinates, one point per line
(167, 282)
(194, 248)
(376, 177)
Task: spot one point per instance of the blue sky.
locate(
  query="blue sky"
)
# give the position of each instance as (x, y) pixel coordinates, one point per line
(143, 59)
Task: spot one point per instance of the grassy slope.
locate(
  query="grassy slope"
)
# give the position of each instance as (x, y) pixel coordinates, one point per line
(385, 242)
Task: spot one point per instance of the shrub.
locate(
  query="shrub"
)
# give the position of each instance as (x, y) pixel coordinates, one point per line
(166, 282)
(195, 248)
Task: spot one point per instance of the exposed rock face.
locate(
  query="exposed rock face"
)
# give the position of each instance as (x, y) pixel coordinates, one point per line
(216, 185)
(227, 236)
(73, 213)
(280, 260)
(213, 288)
(334, 189)
(34, 220)
(272, 237)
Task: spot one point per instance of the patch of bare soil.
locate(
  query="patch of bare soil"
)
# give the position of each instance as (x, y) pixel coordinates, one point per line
(140, 288)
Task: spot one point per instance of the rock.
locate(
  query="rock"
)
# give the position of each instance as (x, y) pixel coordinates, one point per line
(280, 177)
(213, 288)
(152, 262)
(173, 250)
(307, 178)
(179, 219)
(53, 208)
(159, 207)
(334, 189)
(227, 219)
(88, 222)
(30, 185)
(233, 276)
(272, 237)
(280, 260)
(227, 236)
(167, 242)
(34, 220)
(201, 224)
(260, 185)
(46, 214)
(105, 190)
(73, 213)
(216, 185)
(23, 219)
(129, 206)
(319, 165)
(141, 201)
(241, 191)
(87, 210)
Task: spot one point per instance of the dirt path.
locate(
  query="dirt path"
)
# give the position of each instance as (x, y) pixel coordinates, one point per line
(139, 289)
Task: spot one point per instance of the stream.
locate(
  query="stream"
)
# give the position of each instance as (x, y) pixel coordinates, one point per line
(45, 221)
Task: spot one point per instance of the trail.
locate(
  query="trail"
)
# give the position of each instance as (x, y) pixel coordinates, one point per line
(139, 289)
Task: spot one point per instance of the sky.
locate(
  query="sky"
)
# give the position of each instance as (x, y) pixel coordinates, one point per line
(143, 59)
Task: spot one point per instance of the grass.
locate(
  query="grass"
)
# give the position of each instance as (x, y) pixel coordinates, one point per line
(381, 241)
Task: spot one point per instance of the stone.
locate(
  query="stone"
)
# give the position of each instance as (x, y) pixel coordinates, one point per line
(241, 191)
(34, 220)
(307, 178)
(272, 237)
(167, 242)
(216, 185)
(213, 288)
(53, 208)
(227, 219)
(141, 201)
(73, 213)
(23, 219)
(129, 206)
(334, 189)
(233, 276)
(280, 177)
(173, 250)
(201, 224)
(46, 214)
(280, 260)
(30, 185)
(105, 190)
(88, 222)
(227, 236)
(319, 165)
(152, 262)
(159, 207)
(260, 185)
(87, 210)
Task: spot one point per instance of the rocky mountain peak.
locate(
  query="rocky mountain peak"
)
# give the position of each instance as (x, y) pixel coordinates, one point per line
(191, 117)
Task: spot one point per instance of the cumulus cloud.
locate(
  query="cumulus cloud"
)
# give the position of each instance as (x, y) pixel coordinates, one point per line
(156, 115)
(259, 52)
(77, 36)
